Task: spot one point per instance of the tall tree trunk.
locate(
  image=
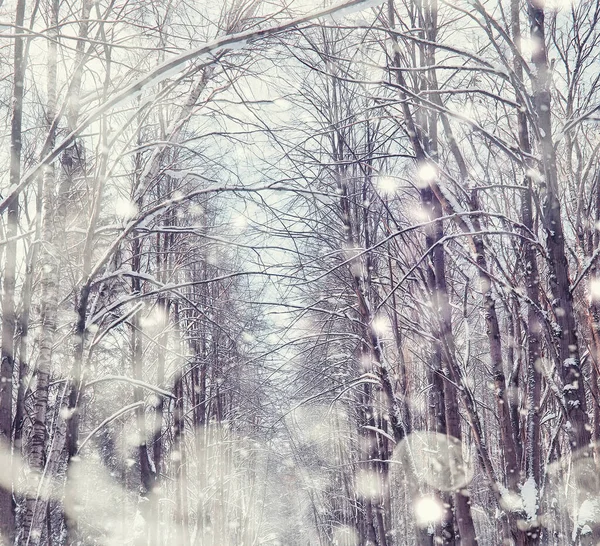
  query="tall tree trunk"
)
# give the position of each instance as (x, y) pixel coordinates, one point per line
(163, 249)
(179, 450)
(415, 134)
(577, 421)
(370, 335)
(425, 145)
(594, 325)
(7, 514)
(463, 517)
(147, 474)
(508, 432)
(564, 312)
(82, 300)
(534, 377)
(35, 508)
(23, 332)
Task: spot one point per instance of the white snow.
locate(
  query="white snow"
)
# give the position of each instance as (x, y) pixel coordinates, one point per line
(361, 6)
(569, 362)
(529, 495)
(238, 44)
(595, 289)
(589, 512)
(179, 174)
(510, 502)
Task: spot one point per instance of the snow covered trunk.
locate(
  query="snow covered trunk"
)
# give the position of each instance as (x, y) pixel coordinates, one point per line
(507, 434)
(594, 326)
(23, 330)
(445, 417)
(179, 460)
(374, 353)
(7, 518)
(435, 377)
(593, 316)
(148, 498)
(76, 376)
(505, 404)
(566, 336)
(423, 131)
(179, 453)
(157, 435)
(533, 381)
(73, 166)
(463, 516)
(402, 379)
(509, 447)
(577, 421)
(164, 243)
(35, 506)
(200, 405)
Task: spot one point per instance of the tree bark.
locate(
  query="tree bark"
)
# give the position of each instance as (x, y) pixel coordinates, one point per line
(533, 468)
(35, 507)
(564, 312)
(180, 460)
(7, 513)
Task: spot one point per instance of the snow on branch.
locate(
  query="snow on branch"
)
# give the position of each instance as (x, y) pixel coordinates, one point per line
(135, 382)
(108, 420)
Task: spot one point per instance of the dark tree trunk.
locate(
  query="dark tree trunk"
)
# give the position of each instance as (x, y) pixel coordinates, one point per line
(7, 515)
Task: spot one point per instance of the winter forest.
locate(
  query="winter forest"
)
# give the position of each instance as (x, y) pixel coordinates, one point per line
(299, 272)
